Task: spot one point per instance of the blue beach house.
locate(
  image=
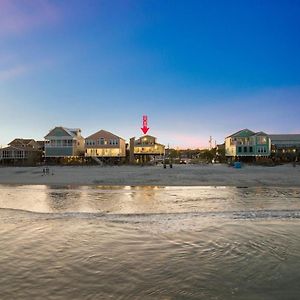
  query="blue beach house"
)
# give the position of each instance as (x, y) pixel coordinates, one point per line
(64, 142)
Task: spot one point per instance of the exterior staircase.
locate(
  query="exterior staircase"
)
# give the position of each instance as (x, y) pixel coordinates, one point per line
(97, 160)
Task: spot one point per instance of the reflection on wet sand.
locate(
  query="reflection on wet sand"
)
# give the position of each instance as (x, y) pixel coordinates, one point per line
(146, 199)
(149, 243)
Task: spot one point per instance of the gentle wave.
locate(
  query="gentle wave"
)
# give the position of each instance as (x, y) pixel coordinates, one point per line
(144, 217)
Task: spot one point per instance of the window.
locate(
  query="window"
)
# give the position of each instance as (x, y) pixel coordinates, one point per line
(261, 140)
(261, 149)
(113, 142)
(233, 141)
(245, 149)
(101, 141)
(19, 154)
(239, 149)
(6, 153)
(251, 149)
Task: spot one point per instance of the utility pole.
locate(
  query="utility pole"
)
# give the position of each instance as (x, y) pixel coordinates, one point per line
(210, 142)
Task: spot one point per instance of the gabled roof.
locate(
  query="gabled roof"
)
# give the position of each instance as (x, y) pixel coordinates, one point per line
(147, 136)
(9, 148)
(72, 132)
(103, 134)
(21, 142)
(24, 143)
(141, 141)
(260, 133)
(242, 133)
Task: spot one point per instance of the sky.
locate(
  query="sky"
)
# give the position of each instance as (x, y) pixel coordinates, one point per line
(195, 68)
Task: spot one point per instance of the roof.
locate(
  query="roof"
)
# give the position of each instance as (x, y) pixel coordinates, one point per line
(147, 136)
(143, 141)
(103, 134)
(247, 133)
(22, 142)
(260, 133)
(18, 148)
(69, 131)
(242, 133)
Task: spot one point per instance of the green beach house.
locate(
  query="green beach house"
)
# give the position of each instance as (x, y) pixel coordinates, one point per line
(246, 143)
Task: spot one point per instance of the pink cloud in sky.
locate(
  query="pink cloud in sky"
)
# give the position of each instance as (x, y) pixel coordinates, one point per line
(19, 16)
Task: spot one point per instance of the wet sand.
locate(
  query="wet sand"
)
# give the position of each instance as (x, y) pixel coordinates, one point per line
(179, 175)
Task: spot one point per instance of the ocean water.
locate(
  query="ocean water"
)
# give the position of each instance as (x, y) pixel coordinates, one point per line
(105, 242)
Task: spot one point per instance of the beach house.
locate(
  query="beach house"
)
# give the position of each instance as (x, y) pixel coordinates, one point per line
(64, 142)
(104, 144)
(246, 143)
(145, 148)
(22, 151)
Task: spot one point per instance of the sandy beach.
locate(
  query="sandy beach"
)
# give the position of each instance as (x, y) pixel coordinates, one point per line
(179, 175)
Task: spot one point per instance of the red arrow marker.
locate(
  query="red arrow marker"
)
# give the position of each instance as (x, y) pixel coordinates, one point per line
(145, 125)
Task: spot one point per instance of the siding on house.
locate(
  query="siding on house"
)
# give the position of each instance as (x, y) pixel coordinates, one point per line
(147, 145)
(26, 151)
(247, 143)
(64, 142)
(105, 144)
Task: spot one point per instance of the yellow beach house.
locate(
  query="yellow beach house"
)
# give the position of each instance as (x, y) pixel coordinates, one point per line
(105, 144)
(145, 149)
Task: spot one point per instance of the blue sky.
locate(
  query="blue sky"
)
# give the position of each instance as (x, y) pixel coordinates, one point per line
(196, 68)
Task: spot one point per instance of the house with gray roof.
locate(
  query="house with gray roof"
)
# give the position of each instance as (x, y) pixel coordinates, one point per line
(21, 151)
(247, 143)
